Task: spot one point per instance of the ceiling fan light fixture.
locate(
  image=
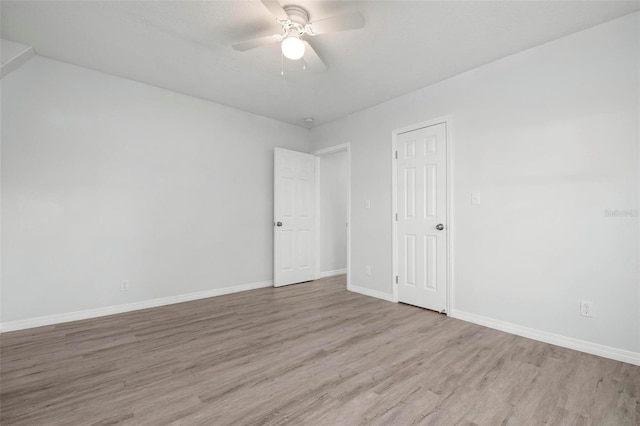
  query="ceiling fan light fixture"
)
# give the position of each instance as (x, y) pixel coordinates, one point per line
(292, 47)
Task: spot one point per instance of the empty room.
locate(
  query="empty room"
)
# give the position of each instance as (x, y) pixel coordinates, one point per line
(269, 212)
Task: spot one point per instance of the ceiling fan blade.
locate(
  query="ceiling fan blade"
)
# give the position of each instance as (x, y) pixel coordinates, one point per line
(311, 58)
(275, 8)
(349, 21)
(256, 42)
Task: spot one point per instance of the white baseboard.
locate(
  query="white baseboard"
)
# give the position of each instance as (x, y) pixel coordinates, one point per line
(128, 307)
(17, 61)
(531, 333)
(326, 274)
(372, 293)
(554, 339)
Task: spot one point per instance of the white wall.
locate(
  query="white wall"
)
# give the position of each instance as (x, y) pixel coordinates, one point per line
(105, 179)
(550, 138)
(333, 212)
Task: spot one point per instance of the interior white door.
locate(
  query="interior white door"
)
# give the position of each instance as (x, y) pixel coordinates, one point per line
(294, 217)
(422, 212)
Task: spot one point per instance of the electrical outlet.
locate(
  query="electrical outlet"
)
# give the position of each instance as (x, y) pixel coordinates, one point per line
(124, 285)
(368, 269)
(586, 308)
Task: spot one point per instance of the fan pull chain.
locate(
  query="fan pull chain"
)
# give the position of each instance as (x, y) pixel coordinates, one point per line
(281, 64)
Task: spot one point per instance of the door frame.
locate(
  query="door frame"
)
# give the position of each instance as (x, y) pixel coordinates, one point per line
(448, 121)
(320, 153)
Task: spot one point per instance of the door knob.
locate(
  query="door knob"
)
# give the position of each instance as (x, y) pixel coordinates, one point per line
(439, 227)
(278, 223)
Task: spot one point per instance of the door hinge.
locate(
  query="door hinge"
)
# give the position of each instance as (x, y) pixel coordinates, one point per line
(396, 217)
(396, 155)
(396, 279)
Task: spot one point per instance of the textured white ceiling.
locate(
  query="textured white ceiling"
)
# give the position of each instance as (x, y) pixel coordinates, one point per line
(185, 46)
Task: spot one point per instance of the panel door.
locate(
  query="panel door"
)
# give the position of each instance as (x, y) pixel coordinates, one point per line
(294, 217)
(422, 213)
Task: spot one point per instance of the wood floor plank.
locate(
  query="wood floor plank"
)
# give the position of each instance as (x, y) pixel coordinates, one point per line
(311, 353)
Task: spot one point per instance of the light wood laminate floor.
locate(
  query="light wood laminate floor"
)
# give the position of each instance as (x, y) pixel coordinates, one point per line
(310, 354)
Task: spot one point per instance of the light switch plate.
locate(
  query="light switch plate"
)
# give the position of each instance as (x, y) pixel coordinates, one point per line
(475, 198)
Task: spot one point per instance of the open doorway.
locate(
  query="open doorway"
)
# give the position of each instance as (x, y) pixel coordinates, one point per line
(333, 211)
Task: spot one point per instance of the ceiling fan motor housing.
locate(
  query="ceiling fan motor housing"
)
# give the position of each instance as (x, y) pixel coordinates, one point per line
(297, 22)
(297, 15)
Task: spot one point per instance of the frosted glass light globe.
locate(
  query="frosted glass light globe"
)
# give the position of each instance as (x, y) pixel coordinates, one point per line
(292, 47)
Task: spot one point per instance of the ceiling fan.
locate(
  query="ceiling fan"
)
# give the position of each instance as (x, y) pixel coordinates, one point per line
(295, 29)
